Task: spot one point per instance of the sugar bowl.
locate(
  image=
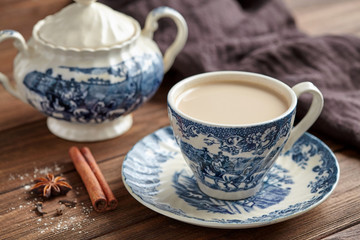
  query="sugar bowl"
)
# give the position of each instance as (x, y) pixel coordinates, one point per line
(88, 67)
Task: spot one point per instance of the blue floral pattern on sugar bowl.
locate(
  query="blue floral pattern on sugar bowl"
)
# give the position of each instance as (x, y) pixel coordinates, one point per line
(94, 99)
(87, 77)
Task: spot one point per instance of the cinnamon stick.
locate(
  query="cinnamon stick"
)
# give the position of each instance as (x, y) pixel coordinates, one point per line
(111, 200)
(96, 194)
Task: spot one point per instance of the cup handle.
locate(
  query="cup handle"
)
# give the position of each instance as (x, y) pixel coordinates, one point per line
(310, 117)
(20, 44)
(151, 26)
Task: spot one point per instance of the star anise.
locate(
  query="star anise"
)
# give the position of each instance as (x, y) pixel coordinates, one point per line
(50, 186)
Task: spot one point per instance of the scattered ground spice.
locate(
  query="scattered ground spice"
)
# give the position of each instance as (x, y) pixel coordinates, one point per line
(77, 220)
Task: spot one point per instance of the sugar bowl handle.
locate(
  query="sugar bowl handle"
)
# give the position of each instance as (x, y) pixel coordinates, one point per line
(310, 117)
(151, 26)
(20, 44)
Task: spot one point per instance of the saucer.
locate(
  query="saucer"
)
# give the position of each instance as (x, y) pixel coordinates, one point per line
(156, 175)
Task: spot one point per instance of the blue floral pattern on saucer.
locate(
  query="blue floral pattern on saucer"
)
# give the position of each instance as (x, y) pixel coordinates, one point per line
(155, 173)
(276, 187)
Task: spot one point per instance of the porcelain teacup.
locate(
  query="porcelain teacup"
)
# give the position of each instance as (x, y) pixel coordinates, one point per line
(230, 161)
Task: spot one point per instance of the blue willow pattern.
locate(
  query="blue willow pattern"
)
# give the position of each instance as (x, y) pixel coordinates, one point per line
(302, 152)
(95, 99)
(142, 175)
(231, 160)
(277, 185)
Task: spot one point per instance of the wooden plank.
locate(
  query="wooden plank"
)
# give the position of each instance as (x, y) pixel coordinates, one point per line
(22, 15)
(351, 233)
(326, 16)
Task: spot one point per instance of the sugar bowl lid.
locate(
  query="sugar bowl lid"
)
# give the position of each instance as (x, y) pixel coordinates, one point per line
(87, 25)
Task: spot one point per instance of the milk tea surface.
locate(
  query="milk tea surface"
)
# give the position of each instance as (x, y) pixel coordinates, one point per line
(230, 102)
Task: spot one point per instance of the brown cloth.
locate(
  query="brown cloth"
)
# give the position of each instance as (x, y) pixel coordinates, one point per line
(261, 36)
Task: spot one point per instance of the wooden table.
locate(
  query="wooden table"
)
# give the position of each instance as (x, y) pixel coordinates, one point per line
(28, 149)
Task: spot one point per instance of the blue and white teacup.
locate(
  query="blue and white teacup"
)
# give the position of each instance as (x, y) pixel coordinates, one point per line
(230, 161)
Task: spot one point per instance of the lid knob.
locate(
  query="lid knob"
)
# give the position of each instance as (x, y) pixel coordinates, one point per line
(85, 2)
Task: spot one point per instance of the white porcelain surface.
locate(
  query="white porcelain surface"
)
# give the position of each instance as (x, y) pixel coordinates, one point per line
(91, 26)
(156, 175)
(96, 132)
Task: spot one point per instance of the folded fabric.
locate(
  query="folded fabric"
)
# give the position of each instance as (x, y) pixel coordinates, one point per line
(261, 36)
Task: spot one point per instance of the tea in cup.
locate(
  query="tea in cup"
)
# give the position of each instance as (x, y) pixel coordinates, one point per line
(231, 126)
